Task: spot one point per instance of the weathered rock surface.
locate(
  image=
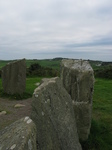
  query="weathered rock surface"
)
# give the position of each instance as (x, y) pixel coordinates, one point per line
(53, 114)
(37, 84)
(78, 79)
(83, 112)
(14, 77)
(21, 135)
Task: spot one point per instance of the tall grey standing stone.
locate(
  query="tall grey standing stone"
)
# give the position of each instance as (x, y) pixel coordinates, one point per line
(14, 77)
(53, 114)
(78, 79)
(21, 135)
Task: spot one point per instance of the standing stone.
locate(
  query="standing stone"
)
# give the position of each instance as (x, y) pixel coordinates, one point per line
(78, 79)
(14, 77)
(21, 135)
(53, 114)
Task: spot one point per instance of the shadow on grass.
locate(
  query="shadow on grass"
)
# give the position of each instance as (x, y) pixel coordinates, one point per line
(25, 95)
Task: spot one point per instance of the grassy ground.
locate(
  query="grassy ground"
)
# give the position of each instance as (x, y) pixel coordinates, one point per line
(101, 130)
(31, 84)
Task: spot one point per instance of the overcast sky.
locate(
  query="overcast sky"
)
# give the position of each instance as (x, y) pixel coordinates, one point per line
(38, 29)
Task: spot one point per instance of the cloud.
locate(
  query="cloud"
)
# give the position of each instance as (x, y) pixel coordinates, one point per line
(53, 28)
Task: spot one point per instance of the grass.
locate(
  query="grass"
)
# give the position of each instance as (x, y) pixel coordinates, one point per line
(102, 98)
(100, 137)
(31, 84)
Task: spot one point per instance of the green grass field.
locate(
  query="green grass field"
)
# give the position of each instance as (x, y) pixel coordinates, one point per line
(55, 64)
(31, 84)
(101, 129)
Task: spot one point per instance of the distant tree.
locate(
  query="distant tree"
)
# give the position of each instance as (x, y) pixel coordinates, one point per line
(104, 72)
(35, 66)
(37, 70)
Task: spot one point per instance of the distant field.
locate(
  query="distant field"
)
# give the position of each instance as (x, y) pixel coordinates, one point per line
(3, 63)
(45, 63)
(54, 63)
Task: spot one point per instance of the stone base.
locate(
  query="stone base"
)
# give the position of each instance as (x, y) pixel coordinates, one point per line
(83, 112)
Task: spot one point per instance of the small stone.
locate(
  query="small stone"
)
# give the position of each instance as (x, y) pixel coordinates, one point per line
(19, 105)
(3, 113)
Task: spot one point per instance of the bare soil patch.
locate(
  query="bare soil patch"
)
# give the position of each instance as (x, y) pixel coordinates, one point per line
(13, 113)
